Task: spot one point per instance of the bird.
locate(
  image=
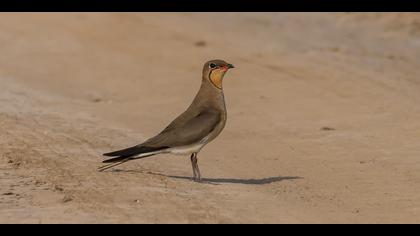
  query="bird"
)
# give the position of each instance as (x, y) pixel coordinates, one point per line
(187, 134)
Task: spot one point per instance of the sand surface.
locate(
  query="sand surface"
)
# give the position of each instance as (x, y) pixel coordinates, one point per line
(323, 117)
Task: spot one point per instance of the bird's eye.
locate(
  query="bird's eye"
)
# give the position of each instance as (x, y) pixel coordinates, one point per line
(212, 65)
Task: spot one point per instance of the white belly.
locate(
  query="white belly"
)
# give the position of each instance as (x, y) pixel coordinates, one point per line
(186, 149)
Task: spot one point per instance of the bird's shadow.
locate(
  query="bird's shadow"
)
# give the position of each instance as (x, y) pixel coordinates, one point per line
(260, 181)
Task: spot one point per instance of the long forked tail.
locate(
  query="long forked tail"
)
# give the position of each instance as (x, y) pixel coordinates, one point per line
(128, 154)
(112, 164)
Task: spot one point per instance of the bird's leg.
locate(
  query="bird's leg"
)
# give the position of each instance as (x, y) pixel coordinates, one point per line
(193, 165)
(197, 170)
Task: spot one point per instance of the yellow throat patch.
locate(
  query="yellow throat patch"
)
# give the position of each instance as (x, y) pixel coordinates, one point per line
(216, 77)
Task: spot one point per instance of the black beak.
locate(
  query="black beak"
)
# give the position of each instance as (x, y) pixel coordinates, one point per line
(230, 66)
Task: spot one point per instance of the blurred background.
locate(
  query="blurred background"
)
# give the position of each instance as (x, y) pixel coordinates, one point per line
(323, 116)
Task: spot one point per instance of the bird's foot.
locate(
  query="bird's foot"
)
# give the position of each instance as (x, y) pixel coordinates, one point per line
(198, 179)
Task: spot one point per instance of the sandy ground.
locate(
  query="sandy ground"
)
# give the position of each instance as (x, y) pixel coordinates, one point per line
(323, 117)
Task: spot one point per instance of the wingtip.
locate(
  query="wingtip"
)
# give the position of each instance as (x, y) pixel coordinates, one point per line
(111, 154)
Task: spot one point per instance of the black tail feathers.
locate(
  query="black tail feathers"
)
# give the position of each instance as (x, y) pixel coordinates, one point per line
(129, 152)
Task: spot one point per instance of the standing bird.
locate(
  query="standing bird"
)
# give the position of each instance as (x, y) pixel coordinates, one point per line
(202, 122)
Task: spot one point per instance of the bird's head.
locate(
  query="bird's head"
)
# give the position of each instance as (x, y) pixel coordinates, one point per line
(215, 70)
